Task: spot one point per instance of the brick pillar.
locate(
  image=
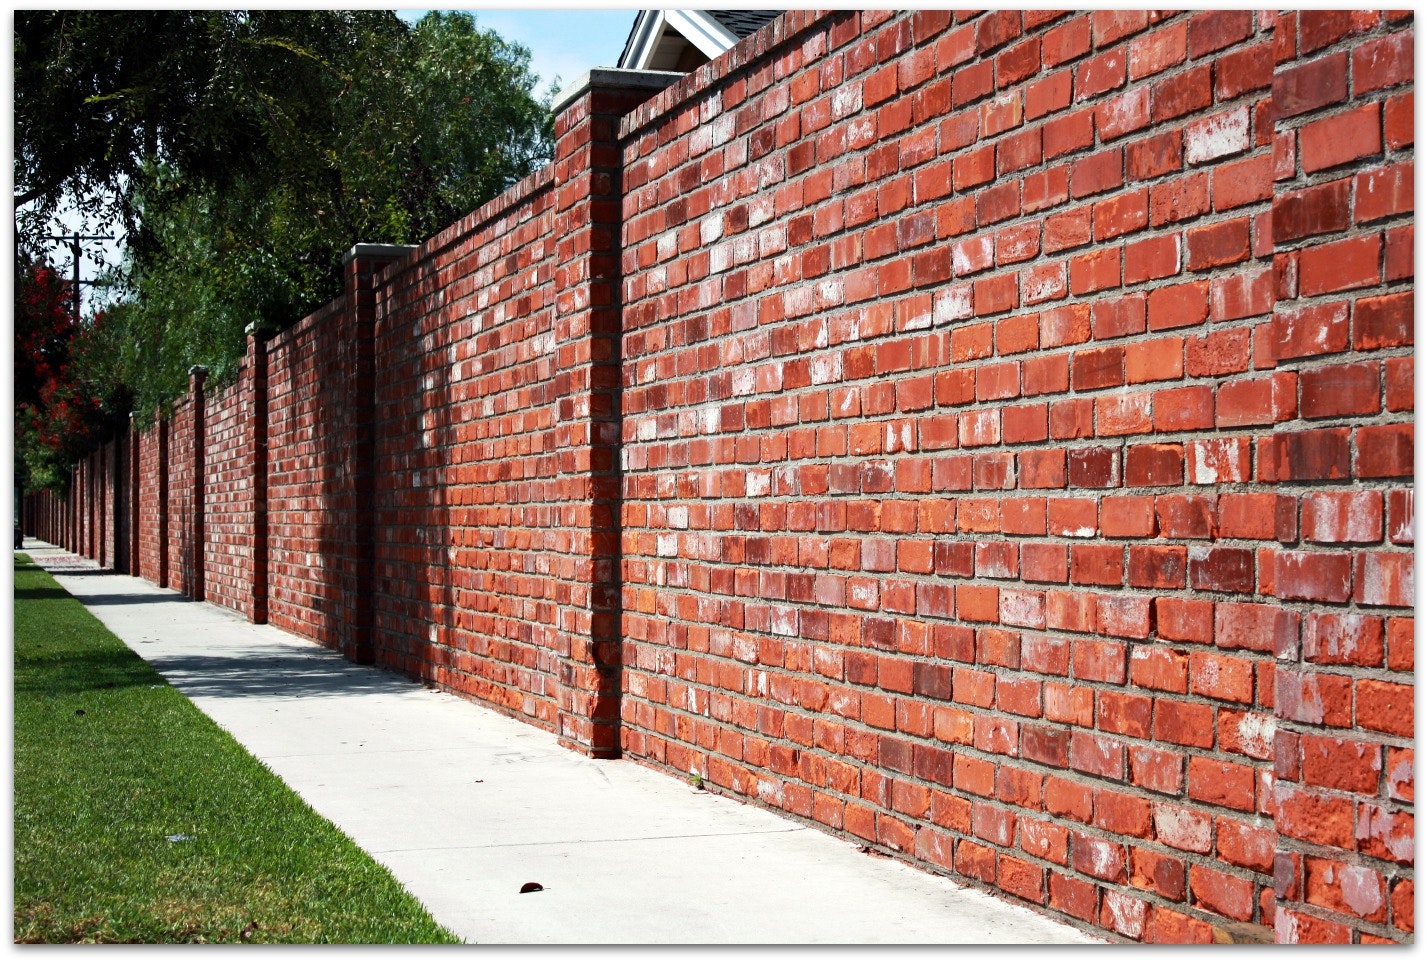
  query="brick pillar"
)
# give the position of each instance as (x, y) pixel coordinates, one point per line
(76, 501)
(117, 476)
(197, 375)
(256, 365)
(588, 183)
(102, 482)
(91, 521)
(361, 267)
(161, 430)
(132, 532)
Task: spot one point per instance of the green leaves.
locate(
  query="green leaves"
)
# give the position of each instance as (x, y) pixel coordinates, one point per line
(251, 153)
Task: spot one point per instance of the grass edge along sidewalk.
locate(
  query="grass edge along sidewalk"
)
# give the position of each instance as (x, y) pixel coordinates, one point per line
(137, 819)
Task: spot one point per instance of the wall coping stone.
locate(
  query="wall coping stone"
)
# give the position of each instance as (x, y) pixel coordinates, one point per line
(377, 250)
(608, 77)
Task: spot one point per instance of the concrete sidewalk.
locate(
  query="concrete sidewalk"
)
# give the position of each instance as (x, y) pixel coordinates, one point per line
(464, 805)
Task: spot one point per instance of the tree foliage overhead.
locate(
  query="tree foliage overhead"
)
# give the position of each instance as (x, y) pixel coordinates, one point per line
(243, 152)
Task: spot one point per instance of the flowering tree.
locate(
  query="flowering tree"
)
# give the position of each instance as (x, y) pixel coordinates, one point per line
(59, 415)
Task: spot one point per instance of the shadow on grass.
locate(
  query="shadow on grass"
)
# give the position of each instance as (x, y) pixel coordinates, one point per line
(71, 672)
(41, 594)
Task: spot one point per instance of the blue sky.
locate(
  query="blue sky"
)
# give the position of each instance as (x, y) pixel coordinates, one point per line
(564, 42)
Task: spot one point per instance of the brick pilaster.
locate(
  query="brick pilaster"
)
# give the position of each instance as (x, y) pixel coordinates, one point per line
(256, 364)
(361, 266)
(588, 183)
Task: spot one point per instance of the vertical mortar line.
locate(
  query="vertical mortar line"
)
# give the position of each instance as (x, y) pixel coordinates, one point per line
(258, 465)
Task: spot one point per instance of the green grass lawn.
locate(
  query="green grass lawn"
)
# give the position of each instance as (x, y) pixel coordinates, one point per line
(110, 761)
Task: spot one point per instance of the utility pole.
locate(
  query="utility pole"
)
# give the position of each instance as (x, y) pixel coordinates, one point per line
(74, 249)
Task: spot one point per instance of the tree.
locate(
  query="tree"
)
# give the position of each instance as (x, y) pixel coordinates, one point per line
(61, 412)
(244, 167)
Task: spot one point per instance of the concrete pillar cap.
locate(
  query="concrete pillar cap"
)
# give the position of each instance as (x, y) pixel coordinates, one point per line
(609, 77)
(386, 251)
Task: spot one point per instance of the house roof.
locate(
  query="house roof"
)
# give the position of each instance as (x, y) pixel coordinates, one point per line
(684, 39)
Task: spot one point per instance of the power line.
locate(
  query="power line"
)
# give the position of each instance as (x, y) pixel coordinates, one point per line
(74, 247)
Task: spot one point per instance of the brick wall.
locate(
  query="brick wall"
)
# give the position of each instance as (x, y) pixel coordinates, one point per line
(957, 432)
(153, 503)
(228, 496)
(179, 547)
(985, 436)
(466, 564)
(303, 467)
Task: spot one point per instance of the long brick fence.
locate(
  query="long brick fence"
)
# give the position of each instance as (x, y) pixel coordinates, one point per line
(987, 436)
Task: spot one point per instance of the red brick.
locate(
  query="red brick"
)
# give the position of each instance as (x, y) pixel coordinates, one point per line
(1384, 578)
(1237, 183)
(1101, 73)
(1183, 198)
(1152, 258)
(1341, 138)
(1255, 627)
(1097, 173)
(1383, 192)
(1157, 51)
(1109, 26)
(1340, 390)
(1239, 72)
(1217, 29)
(1096, 271)
(1311, 85)
(1116, 317)
(1224, 894)
(1398, 121)
(1309, 331)
(1067, 229)
(1321, 28)
(1178, 305)
(1385, 834)
(1068, 133)
(1384, 451)
(1383, 62)
(1305, 455)
(1216, 245)
(1313, 575)
(1322, 209)
(1341, 265)
(1155, 155)
(1346, 889)
(1129, 516)
(1220, 135)
(1181, 828)
(1398, 253)
(1181, 93)
(1348, 516)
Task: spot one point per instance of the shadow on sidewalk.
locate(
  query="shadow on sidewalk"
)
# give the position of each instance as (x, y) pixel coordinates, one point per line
(263, 670)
